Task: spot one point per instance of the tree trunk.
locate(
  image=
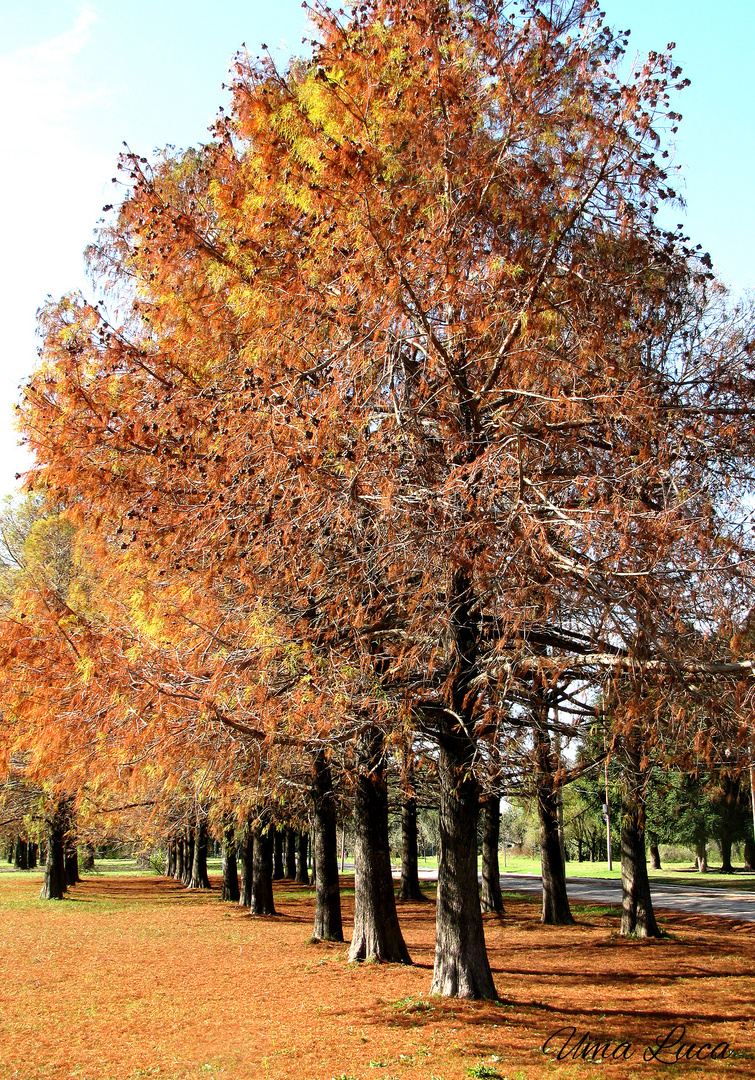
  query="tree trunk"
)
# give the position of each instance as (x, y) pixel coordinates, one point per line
(21, 855)
(178, 870)
(170, 858)
(701, 856)
(262, 872)
(245, 854)
(637, 917)
(491, 898)
(31, 860)
(55, 868)
(301, 861)
(11, 850)
(231, 889)
(377, 934)
(724, 842)
(556, 911)
(655, 856)
(409, 888)
(461, 966)
(749, 854)
(290, 854)
(189, 845)
(199, 878)
(71, 857)
(328, 924)
(278, 871)
(461, 961)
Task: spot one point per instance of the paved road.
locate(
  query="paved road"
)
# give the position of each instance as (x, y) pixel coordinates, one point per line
(731, 903)
(692, 898)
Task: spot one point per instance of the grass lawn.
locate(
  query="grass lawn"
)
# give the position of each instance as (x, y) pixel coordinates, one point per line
(671, 873)
(133, 976)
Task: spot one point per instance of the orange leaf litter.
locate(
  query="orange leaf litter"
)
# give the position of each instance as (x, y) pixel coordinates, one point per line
(136, 977)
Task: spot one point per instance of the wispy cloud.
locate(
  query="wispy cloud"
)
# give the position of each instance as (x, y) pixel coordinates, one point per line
(51, 188)
(43, 85)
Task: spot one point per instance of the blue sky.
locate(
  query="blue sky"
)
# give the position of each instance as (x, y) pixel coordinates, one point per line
(79, 78)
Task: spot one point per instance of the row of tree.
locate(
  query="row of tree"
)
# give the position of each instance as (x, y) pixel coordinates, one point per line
(403, 441)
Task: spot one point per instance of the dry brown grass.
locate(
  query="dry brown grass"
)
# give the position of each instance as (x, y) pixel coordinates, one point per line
(136, 977)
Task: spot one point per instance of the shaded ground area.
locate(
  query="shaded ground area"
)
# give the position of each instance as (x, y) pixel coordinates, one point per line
(136, 977)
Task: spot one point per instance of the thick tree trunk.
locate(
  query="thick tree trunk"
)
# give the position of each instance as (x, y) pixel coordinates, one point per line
(278, 871)
(189, 845)
(409, 888)
(461, 961)
(31, 861)
(302, 876)
(725, 845)
(231, 889)
(178, 869)
(199, 878)
(245, 856)
(55, 868)
(262, 872)
(637, 916)
(556, 911)
(328, 924)
(170, 858)
(491, 898)
(655, 856)
(71, 858)
(377, 934)
(21, 855)
(290, 854)
(461, 966)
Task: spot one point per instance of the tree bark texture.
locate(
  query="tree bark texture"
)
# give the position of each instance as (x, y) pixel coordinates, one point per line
(556, 910)
(189, 845)
(71, 857)
(377, 934)
(655, 856)
(724, 842)
(199, 878)
(178, 869)
(637, 916)
(278, 871)
(262, 872)
(328, 924)
(21, 854)
(55, 868)
(409, 888)
(31, 860)
(230, 872)
(462, 968)
(491, 898)
(302, 875)
(290, 854)
(245, 855)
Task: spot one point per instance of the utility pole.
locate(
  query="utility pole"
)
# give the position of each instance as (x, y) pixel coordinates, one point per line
(607, 816)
